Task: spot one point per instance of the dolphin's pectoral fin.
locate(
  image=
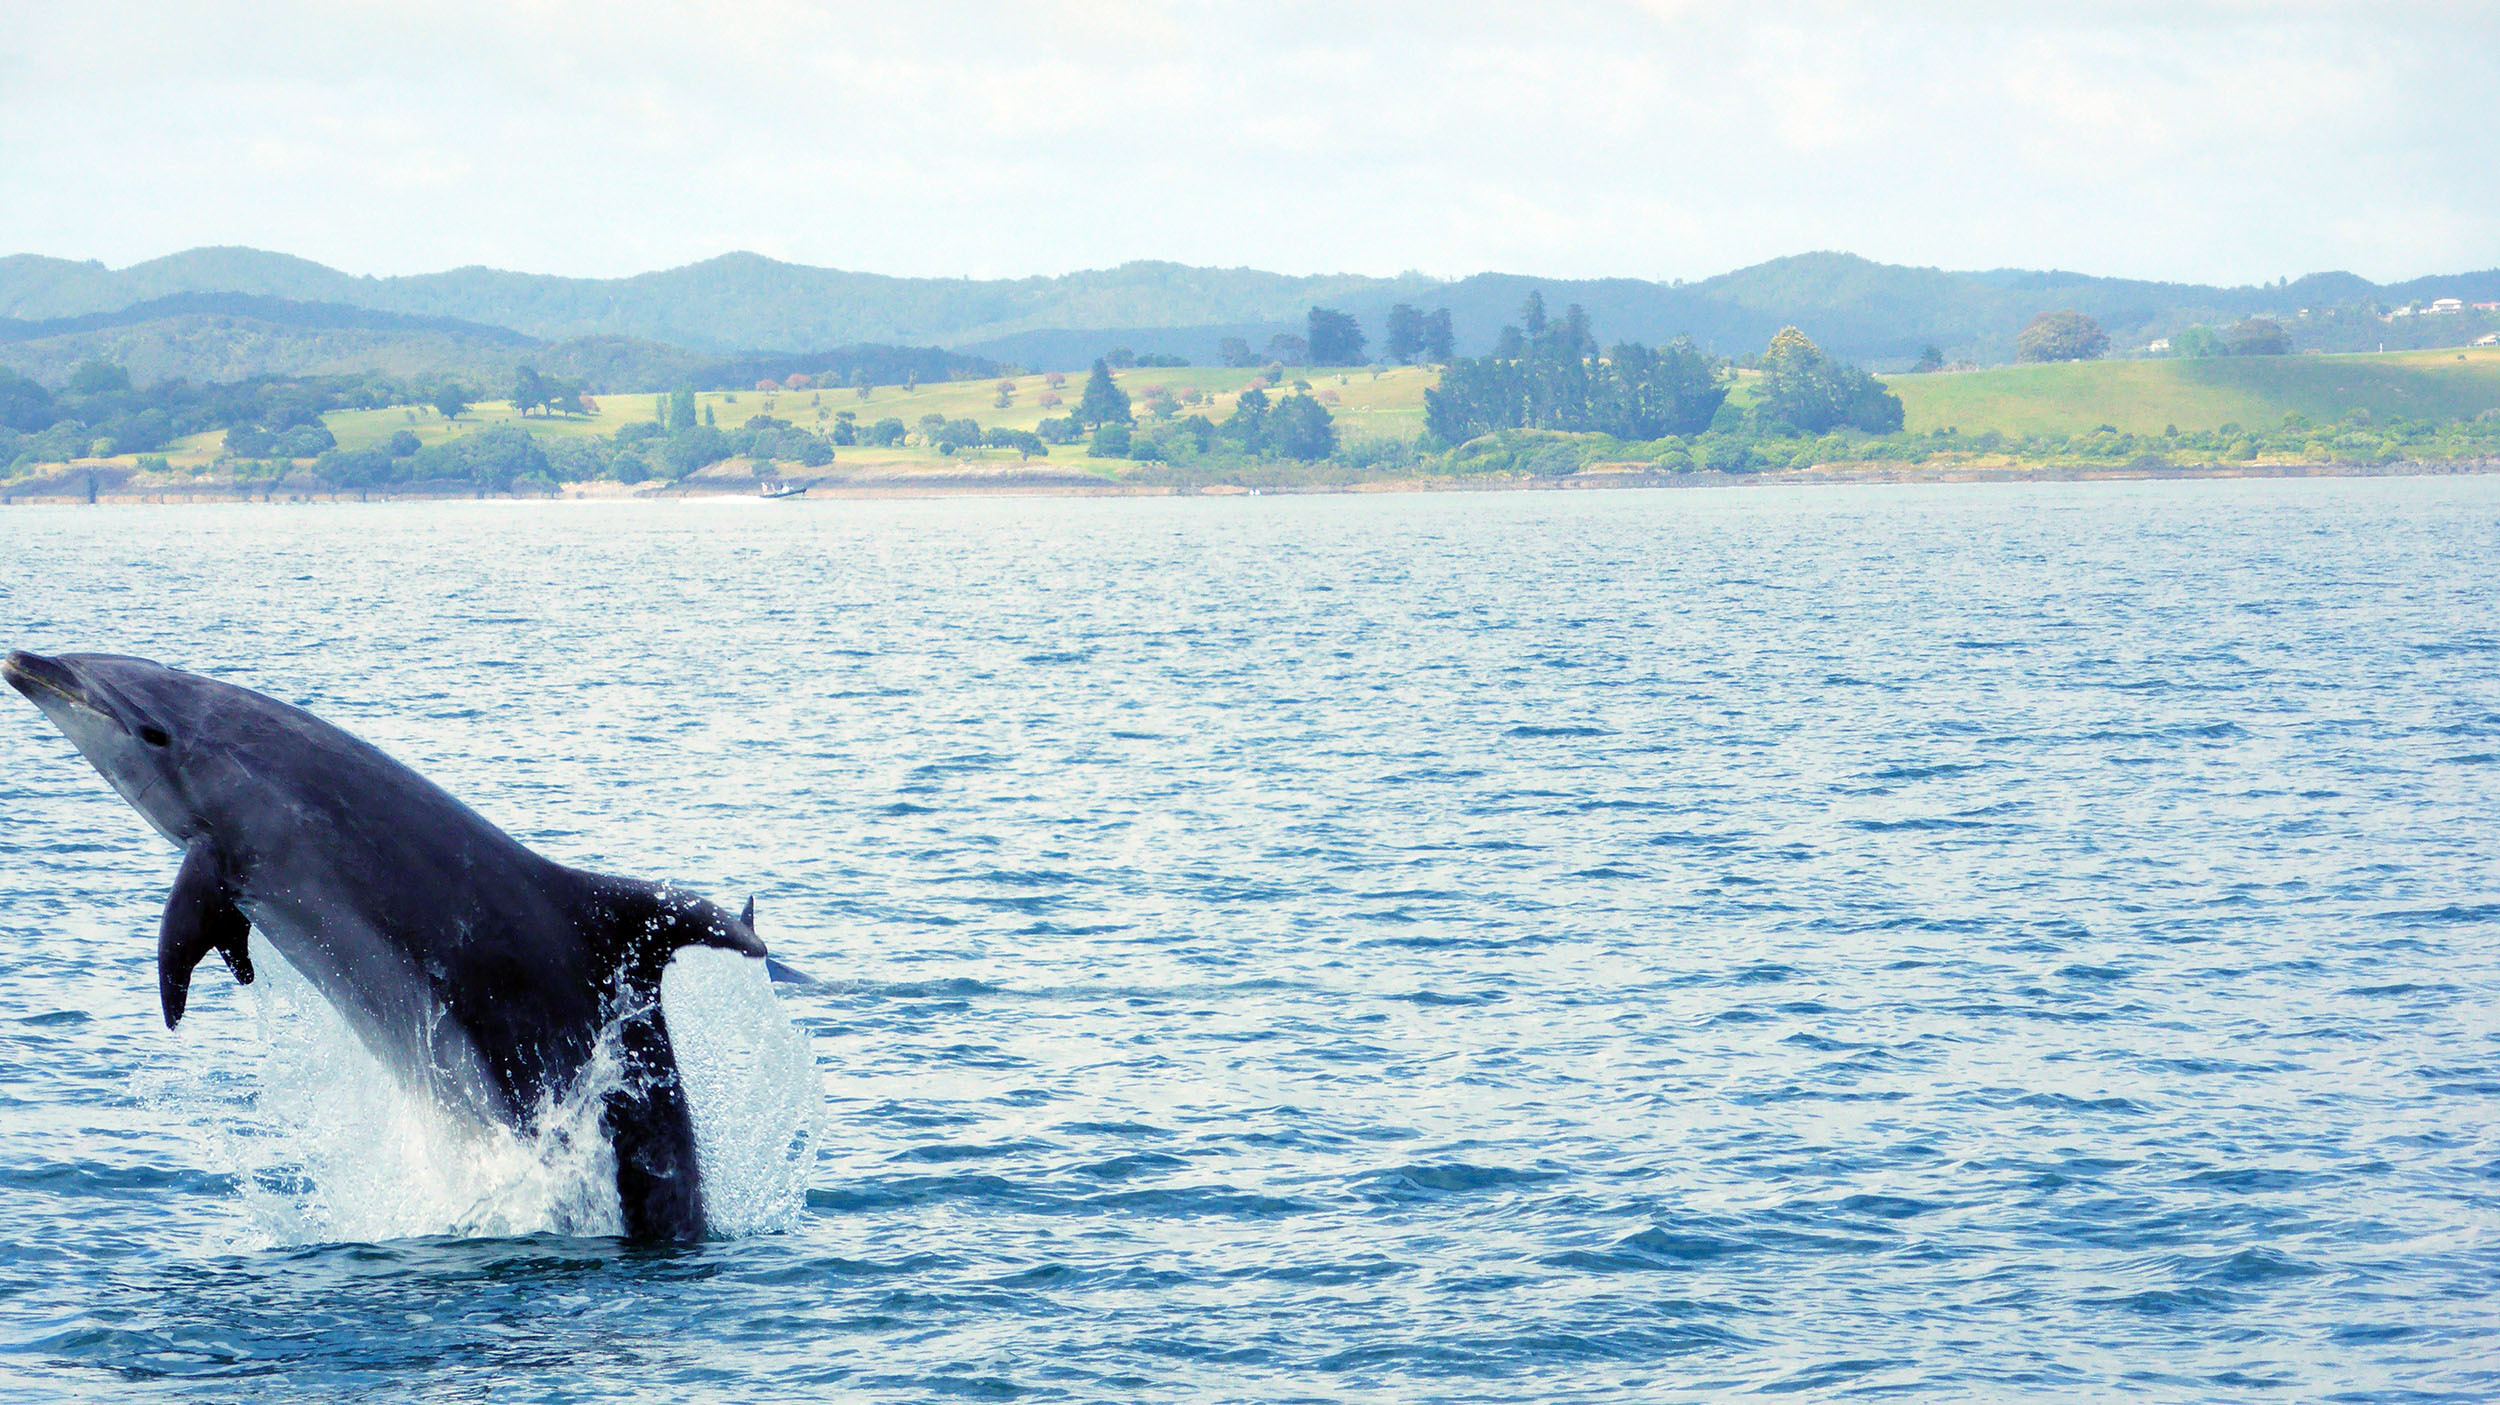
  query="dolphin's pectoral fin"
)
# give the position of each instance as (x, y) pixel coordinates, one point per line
(200, 917)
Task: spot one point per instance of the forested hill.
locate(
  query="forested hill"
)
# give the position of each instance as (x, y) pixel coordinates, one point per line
(729, 303)
(1859, 309)
(232, 336)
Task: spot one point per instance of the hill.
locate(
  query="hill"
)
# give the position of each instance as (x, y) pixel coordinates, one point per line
(2147, 397)
(237, 336)
(720, 305)
(1862, 310)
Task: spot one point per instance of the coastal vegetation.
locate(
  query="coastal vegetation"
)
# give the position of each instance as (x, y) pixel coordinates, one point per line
(1548, 403)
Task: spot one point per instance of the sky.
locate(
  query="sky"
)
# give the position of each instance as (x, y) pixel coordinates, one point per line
(2191, 139)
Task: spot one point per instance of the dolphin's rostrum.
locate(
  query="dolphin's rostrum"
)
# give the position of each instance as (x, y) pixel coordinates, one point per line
(477, 967)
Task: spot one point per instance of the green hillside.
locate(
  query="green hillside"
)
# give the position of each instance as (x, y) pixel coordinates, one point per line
(2146, 397)
(1874, 313)
(1365, 405)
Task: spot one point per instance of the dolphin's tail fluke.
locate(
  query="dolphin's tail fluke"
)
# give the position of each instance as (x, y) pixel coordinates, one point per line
(783, 973)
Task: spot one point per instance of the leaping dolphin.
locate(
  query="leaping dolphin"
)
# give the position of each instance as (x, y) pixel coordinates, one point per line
(481, 970)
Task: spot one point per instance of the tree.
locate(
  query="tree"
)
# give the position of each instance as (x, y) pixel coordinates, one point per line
(2199, 342)
(1334, 338)
(1440, 347)
(1103, 402)
(1930, 360)
(1572, 335)
(354, 468)
(1025, 442)
(1403, 340)
(1532, 315)
(450, 400)
(2061, 336)
(1233, 351)
(1247, 425)
(95, 377)
(693, 448)
(1285, 348)
(529, 390)
(1299, 428)
(2259, 336)
(1805, 391)
(681, 415)
(493, 459)
(24, 404)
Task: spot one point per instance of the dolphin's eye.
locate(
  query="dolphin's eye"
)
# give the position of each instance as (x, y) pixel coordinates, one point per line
(154, 735)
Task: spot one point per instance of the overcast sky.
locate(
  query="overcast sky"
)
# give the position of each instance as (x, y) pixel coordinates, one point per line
(2209, 141)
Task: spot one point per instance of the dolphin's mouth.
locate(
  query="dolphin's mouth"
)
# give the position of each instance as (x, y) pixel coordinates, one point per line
(35, 676)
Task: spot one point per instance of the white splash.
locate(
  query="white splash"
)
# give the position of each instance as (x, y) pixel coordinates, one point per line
(330, 1144)
(751, 1083)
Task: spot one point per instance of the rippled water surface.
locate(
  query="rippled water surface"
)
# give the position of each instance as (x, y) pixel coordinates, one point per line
(1957, 942)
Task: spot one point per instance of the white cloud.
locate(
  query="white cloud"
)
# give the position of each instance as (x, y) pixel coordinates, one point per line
(2217, 140)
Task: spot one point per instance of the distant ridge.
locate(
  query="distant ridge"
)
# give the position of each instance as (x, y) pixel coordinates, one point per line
(228, 336)
(258, 307)
(1863, 310)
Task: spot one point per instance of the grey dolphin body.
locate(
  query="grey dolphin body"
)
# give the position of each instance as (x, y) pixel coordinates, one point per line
(475, 966)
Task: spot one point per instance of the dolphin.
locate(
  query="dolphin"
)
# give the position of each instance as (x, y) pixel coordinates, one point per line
(481, 971)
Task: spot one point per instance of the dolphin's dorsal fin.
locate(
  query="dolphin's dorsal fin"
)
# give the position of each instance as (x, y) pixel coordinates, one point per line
(200, 917)
(748, 917)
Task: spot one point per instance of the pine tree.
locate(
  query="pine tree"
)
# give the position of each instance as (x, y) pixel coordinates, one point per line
(1104, 402)
(1440, 347)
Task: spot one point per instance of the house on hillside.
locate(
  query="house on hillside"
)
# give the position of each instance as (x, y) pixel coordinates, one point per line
(2487, 307)
(2488, 339)
(2442, 306)
(2157, 346)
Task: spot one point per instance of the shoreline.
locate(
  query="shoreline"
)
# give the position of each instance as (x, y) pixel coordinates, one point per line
(112, 485)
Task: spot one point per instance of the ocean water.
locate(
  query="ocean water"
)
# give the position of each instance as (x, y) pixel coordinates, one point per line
(1974, 943)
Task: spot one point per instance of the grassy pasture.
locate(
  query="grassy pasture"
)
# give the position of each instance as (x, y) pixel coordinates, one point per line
(2144, 397)
(1384, 405)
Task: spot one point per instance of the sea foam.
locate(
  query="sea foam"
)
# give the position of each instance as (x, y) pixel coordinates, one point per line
(328, 1143)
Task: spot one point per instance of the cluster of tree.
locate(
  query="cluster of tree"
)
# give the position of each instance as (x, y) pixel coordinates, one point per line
(1333, 338)
(97, 411)
(1548, 374)
(1124, 358)
(1803, 391)
(492, 460)
(2061, 336)
(1259, 429)
(1414, 336)
(2254, 336)
(549, 394)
